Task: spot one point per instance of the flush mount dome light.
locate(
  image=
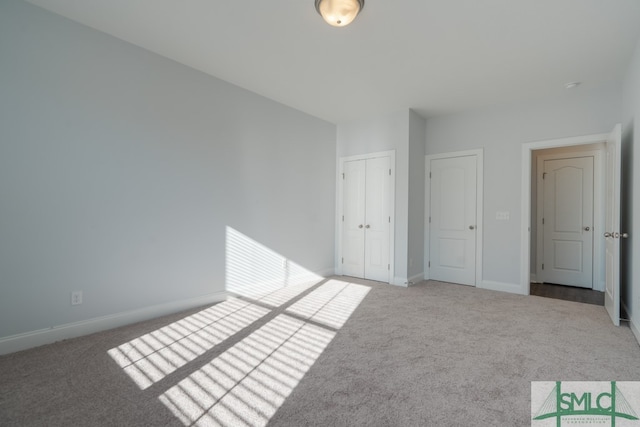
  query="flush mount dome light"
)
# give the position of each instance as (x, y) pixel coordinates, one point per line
(339, 13)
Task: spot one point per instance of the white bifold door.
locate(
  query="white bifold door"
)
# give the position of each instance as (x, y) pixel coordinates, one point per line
(366, 218)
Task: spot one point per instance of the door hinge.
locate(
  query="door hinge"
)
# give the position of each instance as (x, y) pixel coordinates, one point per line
(429, 264)
(343, 175)
(543, 266)
(388, 266)
(389, 172)
(343, 260)
(429, 220)
(389, 220)
(342, 218)
(429, 175)
(542, 221)
(544, 174)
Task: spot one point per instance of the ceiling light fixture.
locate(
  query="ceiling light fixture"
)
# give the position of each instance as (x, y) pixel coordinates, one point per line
(339, 13)
(571, 85)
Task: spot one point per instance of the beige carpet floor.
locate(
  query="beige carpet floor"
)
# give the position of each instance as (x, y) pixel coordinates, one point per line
(433, 354)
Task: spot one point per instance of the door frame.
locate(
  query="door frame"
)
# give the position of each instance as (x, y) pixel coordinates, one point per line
(597, 255)
(525, 201)
(479, 153)
(392, 203)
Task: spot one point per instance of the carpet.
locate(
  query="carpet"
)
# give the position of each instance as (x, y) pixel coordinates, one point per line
(432, 354)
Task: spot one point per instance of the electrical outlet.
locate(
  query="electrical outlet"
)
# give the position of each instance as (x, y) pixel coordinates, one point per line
(76, 297)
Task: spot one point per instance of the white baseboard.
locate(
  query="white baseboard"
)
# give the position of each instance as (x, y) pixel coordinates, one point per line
(406, 282)
(40, 337)
(415, 279)
(400, 281)
(635, 329)
(327, 272)
(632, 324)
(512, 288)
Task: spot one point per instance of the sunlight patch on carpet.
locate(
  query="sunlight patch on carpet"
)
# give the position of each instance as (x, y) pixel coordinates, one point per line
(245, 385)
(331, 304)
(151, 357)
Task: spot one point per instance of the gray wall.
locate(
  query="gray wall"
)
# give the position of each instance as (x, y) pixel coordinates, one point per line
(120, 171)
(416, 196)
(501, 131)
(630, 270)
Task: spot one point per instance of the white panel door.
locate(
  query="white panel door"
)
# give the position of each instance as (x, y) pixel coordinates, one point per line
(612, 226)
(366, 218)
(452, 227)
(353, 218)
(377, 219)
(568, 222)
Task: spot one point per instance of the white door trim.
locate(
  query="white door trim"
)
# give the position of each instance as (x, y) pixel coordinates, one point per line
(598, 209)
(525, 196)
(392, 201)
(479, 153)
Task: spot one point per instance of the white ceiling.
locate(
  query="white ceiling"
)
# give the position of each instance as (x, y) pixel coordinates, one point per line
(435, 56)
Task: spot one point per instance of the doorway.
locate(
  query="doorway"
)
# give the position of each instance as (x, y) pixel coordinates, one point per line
(568, 293)
(566, 216)
(608, 233)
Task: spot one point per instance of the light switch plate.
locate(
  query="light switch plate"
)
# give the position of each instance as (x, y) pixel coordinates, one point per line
(502, 215)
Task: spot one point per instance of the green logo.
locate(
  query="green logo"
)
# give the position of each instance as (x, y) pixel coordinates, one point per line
(585, 405)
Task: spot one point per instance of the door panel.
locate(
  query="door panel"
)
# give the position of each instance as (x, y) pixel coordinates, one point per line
(452, 193)
(453, 225)
(569, 193)
(612, 225)
(452, 252)
(568, 255)
(377, 218)
(353, 222)
(568, 222)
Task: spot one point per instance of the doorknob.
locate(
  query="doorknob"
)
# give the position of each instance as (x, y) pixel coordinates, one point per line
(367, 226)
(607, 234)
(587, 228)
(360, 226)
(471, 227)
(624, 235)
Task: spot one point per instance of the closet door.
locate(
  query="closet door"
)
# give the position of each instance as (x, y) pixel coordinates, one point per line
(366, 218)
(377, 219)
(353, 218)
